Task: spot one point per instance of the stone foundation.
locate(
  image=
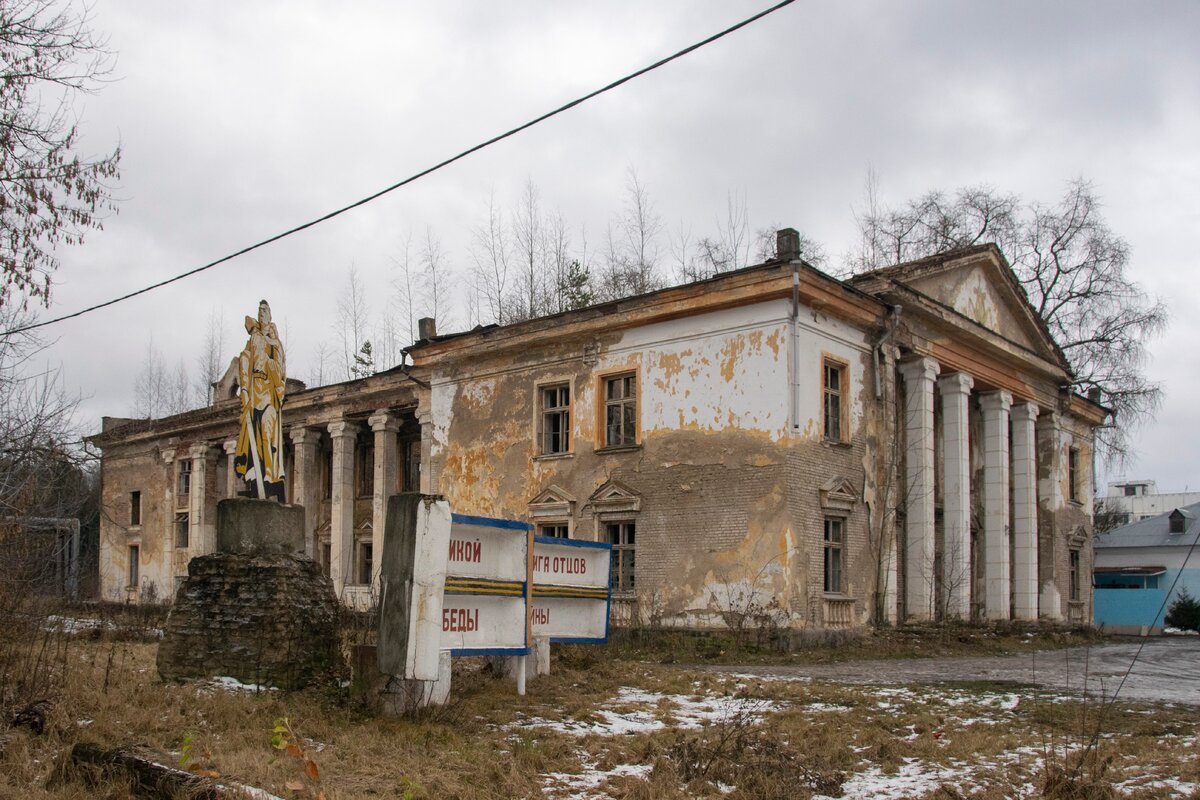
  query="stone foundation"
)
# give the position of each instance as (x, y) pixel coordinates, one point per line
(266, 619)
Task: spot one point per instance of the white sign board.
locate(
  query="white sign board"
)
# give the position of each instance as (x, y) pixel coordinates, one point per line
(571, 590)
(485, 605)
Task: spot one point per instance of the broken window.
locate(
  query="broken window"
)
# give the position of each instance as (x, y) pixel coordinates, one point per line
(621, 535)
(182, 530)
(364, 468)
(412, 466)
(620, 410)
(833, 398)
(1177, 521)
(1073, 576)
(555, 420)
(364, 563)
(834, 553)
(1073, 492)
(556, 530)
(135, 509)
(325, 556)
(133, 565)
(184, 484)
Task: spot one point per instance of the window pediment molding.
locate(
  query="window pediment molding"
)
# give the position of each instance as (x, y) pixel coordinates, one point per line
(553, 502)
(615, 497)
(838, 494)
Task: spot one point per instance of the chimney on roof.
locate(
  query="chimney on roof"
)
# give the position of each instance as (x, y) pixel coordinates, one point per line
(427, 327)
(1093, 394)
(787, 244)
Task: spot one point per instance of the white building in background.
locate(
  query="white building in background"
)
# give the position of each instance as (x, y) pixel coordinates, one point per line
(1139, 499)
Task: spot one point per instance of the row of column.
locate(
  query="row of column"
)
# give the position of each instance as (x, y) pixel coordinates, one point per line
(306, 480)
(1006, 590)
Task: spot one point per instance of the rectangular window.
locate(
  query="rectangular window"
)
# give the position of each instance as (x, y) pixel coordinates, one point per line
(834, 552)
(364, 562)
(412, 467)
(1073, 576)
(133, 566)
(555, 420)
(327, 474)
(135, 509)
(1073, 474)
(833, 398)
(1131, 491)
(184, 485)
(182, 530)
(364, 469)
(325, 552)
(557, 530)
(620, 411)
(621, 536)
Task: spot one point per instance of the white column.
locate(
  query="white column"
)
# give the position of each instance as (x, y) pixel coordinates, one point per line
(341, 523)
(956, 515)
(1050, 502)
(387, 458)
(424, 414)
(201, 534)
(230, 448)
(918, 482)
(305, 482)
(1025, 519)
(995, 504)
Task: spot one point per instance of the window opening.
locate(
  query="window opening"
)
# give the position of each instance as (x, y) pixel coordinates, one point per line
(135, 509)
(182, 529)
(555, 434)
(834, 551)
(620, 411)
(621, 535)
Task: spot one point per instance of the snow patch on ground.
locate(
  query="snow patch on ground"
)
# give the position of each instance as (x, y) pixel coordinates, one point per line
(635, 711)
(584, 785)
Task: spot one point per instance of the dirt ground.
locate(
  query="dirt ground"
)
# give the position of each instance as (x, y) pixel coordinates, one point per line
(1161, 669)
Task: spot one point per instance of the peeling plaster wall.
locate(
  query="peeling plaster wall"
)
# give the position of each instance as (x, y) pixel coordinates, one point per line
(729, 518)
(126, 470)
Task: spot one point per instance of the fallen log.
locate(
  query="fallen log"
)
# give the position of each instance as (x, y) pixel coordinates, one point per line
(150, 778)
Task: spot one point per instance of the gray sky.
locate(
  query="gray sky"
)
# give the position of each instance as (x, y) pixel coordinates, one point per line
(240, 120)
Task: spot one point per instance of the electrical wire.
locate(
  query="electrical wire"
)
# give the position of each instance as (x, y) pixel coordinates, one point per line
(410, 179)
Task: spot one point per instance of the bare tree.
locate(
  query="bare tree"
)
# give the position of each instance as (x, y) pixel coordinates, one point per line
(211, 365)
(436, 278)
(491, 253)
(1073, 269)
(49, 195)
(527, 237)
(151, 385)
(632, 245)
(406, 287)
(321, 372)
(352, 323)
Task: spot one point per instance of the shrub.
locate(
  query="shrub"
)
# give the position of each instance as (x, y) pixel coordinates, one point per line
(1184, 612)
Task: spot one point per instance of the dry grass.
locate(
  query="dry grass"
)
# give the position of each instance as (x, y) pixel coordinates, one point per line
(781, 738)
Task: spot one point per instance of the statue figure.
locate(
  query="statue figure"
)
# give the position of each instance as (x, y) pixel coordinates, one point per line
(262, 373)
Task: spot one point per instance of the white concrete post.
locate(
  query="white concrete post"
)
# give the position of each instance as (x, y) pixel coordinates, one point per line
(202, 537)
(341, 557)
(918, 483)
(956, 466)
(230, 448)
(424, 416)
(996, 533)
(387, 459)
(1025, 512)
(305, 482)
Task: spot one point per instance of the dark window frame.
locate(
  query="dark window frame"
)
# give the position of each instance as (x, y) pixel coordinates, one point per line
(835, 375)
(183, 530)
(622, 535)
(183, 478)
(620, 420)
(554, 530)
(135, 509)
(133, 573)
(554, 419)
(1073, 493)
(834, 555)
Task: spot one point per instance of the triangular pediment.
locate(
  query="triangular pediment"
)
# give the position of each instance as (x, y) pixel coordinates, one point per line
(838, 494)
(615, 496)
(553, 501)
(976, 284)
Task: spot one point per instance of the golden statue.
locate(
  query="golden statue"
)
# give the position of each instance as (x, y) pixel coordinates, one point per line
(262, 373)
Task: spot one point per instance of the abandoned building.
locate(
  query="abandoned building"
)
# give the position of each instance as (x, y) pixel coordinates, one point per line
(770, 445)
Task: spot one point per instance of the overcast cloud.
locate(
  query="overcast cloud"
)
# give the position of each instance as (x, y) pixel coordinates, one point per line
(240, 120)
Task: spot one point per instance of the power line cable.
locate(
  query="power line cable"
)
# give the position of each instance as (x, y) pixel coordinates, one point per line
(369, 198)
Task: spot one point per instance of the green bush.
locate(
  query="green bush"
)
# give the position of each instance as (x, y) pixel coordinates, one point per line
(1184, 612)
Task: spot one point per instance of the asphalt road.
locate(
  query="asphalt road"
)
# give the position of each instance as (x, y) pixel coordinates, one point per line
(1167, 669)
